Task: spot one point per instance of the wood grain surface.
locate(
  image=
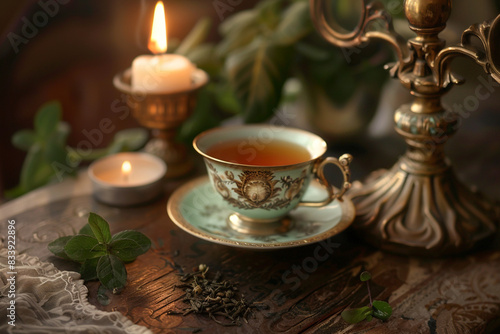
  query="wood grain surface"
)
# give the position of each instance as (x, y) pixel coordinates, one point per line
(305, 288)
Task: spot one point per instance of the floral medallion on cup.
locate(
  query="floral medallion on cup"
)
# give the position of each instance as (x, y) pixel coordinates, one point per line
(257, 188)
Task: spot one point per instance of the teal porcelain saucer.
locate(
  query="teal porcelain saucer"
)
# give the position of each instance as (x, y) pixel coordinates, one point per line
(197, 209)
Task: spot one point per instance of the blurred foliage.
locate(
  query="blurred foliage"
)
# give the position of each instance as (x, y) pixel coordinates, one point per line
(263, 47)
(260, 49)
(48, 156)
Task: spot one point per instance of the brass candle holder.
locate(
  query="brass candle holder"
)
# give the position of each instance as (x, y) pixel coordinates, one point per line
(163, 114)
(419, 207)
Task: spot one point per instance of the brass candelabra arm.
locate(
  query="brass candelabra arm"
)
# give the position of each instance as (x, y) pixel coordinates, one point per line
(486, 54)
(419, 206)
(375, 23)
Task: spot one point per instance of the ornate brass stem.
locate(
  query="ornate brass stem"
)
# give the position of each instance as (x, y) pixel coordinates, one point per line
(163, 114)
(419, 207)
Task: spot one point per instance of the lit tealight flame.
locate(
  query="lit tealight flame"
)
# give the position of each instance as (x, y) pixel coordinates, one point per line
(126, 169)
(158, 42)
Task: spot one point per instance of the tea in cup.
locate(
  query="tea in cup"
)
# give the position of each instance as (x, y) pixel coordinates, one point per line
(263, 171)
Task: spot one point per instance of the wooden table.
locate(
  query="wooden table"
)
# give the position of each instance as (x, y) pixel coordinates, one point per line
(305, 288)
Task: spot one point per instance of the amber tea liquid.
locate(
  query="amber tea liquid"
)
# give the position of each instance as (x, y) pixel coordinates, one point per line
(274, 153)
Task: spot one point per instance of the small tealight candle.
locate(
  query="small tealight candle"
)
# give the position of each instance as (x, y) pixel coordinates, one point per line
(161, 73)
(127, 178)
(126, 169)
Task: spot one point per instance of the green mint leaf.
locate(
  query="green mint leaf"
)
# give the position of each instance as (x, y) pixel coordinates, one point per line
(126, 250)
(365, 276)
(87, 230)
(353, 316)
(257, 84)
(128, 245)
(100, 228)
(102, 296)
(57, 247)
(82, 247)
(195, 37)
(89, 269)
(23, 139)
(381, 310)
(128, 140)
(111, 272)
(35, 171)
(47, 119)
(55, 150)
(15, 192)
(295, 24)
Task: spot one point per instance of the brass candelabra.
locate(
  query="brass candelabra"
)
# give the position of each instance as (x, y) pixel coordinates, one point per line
(163, 114)
(419, 207)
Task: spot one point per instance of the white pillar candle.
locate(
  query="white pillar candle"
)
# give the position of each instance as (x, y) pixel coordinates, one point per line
(161, 73)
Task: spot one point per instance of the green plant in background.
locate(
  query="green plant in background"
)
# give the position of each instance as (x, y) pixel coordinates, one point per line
(376, 309)
(261, 49)
(49, 158)
(101, 255)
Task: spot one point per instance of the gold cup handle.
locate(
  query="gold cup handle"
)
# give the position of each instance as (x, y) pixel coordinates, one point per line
(343, 163)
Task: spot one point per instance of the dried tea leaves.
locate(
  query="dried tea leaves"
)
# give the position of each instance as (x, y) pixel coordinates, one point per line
(217, 298)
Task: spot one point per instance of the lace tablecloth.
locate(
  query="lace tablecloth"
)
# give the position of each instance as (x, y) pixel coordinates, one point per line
(48, 300)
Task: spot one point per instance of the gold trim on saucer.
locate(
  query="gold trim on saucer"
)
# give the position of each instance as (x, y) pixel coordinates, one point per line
(174, 211)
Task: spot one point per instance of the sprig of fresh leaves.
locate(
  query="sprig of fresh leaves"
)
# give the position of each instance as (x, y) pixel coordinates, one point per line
(49, 157)
(101, 255)
(376, 309)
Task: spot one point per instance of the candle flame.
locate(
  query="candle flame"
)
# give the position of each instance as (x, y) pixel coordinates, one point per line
(158, 42)
(126, 169)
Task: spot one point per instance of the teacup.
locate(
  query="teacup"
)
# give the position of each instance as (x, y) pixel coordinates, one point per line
(263, 171)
